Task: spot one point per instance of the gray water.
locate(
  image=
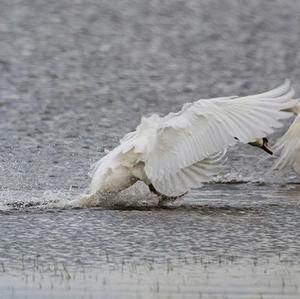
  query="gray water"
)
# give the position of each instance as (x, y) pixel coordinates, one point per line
(75, 76)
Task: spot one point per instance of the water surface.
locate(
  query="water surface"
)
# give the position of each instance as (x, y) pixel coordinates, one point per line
(77, 75)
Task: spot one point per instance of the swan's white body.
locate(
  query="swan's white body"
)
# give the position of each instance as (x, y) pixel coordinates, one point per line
(180, 150)
(289, 147)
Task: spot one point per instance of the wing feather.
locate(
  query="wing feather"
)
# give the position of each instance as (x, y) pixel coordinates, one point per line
(289, 148)
(273, 93)
(190, 177)
(206, 127)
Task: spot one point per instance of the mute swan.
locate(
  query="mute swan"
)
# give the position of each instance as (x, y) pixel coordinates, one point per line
(179, 151)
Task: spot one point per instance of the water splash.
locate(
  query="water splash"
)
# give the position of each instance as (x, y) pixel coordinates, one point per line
(234, 178)
(15, 199)
(136, 197)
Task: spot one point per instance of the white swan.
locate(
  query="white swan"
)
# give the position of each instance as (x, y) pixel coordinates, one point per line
(289, 146)
(179, 151)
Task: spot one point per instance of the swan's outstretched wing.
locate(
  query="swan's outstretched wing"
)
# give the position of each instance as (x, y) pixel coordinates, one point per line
(192, 176)
(206, 127)
(289, 148)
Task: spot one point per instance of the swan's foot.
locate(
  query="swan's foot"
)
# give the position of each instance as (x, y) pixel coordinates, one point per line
(164, 199)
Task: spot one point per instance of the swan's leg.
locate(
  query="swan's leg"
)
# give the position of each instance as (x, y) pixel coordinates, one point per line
(163, 197)
(153, 190)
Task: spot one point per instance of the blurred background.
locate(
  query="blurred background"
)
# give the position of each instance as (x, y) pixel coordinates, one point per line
(75, 75)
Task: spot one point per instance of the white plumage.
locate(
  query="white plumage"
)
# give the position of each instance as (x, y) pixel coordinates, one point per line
(289, 147)
(181, 150)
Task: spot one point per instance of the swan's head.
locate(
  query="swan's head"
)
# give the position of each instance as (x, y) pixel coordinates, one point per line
(263, 143)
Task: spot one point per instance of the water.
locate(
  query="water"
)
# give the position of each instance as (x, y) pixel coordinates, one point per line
(223, 241)
(75, 76)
